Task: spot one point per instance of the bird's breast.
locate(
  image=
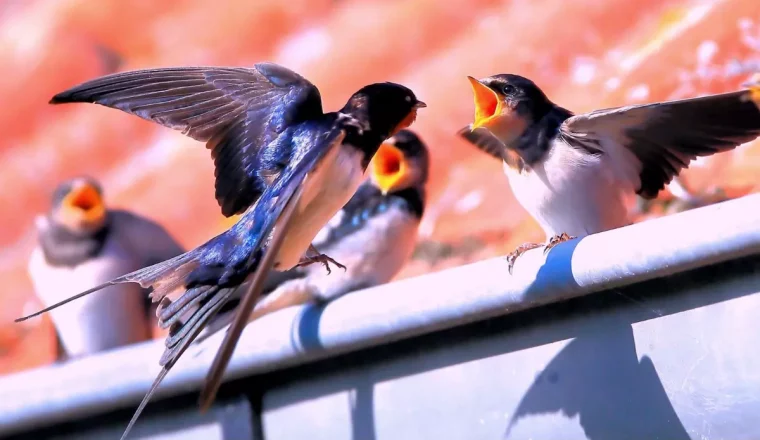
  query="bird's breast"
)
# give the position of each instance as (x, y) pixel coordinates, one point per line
(570, 191)
(327, 188)
(373, 255)
(112, 317)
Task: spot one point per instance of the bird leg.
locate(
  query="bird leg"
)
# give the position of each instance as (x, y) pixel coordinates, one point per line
(557, 239)
(319, 258)
(512, 257)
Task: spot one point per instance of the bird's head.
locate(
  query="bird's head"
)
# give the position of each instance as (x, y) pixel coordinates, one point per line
(78, 205)
(385, 108)
(507, 105)
(401, 162)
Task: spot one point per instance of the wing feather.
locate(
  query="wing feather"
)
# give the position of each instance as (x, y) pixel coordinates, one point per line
(666, 136)
(236, 111)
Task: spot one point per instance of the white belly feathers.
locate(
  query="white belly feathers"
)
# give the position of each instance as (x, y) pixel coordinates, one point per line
(328, 188)
(106, 319)
(572, 192)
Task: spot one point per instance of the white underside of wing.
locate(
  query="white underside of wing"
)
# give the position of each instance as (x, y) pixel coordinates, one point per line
(327, 188)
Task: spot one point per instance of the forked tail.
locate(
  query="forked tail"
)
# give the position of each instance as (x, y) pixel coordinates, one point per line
(163, 277)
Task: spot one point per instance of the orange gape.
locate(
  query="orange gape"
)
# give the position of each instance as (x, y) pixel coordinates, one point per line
(389, 166)
(83, 206)
(487, 103)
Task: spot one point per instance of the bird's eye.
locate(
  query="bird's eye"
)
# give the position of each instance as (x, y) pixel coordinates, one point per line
(408, 98)
(509, 89)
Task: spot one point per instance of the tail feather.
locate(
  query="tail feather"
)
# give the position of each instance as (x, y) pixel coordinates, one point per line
(214, 299)
(163, 278)
(181, 336)
(170, 313)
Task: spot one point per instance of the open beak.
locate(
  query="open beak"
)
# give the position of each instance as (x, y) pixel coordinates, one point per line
(388, 167)
(85, 203)
(488, 104)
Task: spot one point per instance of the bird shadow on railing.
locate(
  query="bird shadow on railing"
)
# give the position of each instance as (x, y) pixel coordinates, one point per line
(597, 376)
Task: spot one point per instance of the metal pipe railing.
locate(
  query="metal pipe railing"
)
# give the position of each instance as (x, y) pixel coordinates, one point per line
(403, 309)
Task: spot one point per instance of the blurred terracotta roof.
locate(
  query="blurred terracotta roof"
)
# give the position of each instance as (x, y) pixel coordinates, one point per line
(586, 54)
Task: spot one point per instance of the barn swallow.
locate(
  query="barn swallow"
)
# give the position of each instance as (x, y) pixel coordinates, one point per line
(374, 233)
(278, 157)
(81, 243)
(571, 172)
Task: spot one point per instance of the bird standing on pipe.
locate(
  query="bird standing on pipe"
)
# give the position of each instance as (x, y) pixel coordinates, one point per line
(83, 243)
(278, 157)
(374, 234)
(571, 172)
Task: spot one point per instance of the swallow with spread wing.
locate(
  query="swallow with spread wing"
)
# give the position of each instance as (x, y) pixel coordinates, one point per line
(571, 172)
(278, 157)
(83, 243)
(374, 234)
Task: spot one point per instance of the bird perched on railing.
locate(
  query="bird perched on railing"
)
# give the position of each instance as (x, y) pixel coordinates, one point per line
(278, 157)
(572, 172)
(83, 243)
(374, 234)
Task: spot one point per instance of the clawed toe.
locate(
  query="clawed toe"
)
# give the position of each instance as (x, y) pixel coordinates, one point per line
(512, 256)
(327, 260)
(557, 239)
(323, 259)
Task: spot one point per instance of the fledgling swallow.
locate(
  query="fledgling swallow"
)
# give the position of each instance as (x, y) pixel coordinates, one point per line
(278, 157)
(374, 233)
(571, 172)
(82, 243)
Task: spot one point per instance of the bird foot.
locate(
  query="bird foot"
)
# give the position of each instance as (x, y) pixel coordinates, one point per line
(320, 258)
(512, 257)
(557, 239)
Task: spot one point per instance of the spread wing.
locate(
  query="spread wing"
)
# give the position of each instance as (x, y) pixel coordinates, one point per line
(236, 111)
(357, 211)
(666, 136)
(270, 212)
(274, 209)
(345, 221)
(484, 141)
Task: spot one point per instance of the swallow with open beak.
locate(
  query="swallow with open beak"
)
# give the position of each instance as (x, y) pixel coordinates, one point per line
(82, 243)
(374, 234)
(281, 161)
(571, 172)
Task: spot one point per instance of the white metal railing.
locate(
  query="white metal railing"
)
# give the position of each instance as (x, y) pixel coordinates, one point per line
(410, 307)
